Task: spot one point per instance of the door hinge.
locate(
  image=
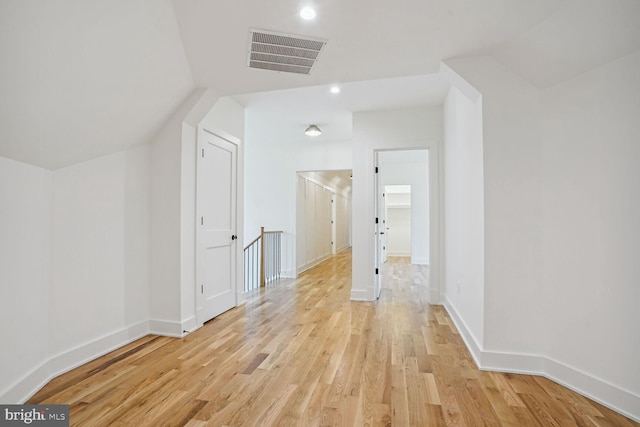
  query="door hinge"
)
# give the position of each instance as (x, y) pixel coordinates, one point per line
(201, 220)
(203, 153)
(202, 289)
(376, 271)
(376, 220)
(376, 169)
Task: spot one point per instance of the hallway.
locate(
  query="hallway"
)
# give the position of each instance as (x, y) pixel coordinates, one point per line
(301, 353)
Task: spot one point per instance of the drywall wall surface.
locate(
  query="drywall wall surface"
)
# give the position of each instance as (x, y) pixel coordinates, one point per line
(382, 130)
(464, 210)
(590, 211)
(25, 263)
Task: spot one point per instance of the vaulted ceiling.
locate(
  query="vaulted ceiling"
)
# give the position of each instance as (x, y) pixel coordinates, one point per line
(80, 79)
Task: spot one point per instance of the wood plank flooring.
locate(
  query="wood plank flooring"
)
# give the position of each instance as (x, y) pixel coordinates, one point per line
(302, 354)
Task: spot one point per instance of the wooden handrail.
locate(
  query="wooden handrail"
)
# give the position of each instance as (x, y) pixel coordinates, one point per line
(252, 242)
(258, 238)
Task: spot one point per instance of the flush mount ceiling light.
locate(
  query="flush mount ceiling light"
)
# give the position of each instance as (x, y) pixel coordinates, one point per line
(307, 13)
(313, 130)
(335, 89)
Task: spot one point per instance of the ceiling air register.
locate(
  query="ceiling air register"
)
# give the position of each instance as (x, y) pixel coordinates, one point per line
(273, 51)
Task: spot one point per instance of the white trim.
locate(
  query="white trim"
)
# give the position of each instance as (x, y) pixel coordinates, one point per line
(287, 274)
(241, 297)
(165, 328)
(361, 295)
(313, 263)
(616, 398)
(402, 254)
(470, 341)
(189, 325)
(346, 246)
(28, 385)
(420, 261)
(71, 359)
(238, 219)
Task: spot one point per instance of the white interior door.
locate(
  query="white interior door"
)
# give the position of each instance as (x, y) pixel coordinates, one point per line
(217, 237)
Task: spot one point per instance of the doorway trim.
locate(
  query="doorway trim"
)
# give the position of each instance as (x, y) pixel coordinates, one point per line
(236, 285)
(436, 218)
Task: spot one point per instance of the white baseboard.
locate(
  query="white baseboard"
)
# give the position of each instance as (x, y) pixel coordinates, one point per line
(241, 298)
(27, 386)
(287, 274)
(618, 399)
(361, 295)
(165, 328)
(313, 263)
(470, 341)
(402, 254)
(70, 359)
(189, 325)
(338, 250)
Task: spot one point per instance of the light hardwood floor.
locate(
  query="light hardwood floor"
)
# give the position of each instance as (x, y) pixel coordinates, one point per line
(301, 354)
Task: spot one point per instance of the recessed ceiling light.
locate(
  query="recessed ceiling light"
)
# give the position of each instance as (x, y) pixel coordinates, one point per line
(307, 13)
(335, 89)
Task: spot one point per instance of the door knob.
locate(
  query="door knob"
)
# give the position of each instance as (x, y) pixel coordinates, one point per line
(234, 237)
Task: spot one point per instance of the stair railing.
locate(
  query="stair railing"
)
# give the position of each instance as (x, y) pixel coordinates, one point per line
(262, 260)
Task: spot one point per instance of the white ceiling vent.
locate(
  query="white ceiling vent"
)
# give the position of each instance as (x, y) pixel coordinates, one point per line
(283, 52)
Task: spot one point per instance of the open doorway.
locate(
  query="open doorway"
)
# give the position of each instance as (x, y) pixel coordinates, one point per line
(397, 205)
(402, 210)
(323, 216)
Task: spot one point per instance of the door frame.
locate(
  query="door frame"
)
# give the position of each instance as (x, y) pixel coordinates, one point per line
(238, 219)
(436, 226)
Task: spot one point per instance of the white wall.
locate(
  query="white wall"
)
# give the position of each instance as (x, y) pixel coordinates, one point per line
(464, 211)
(100, 249)
(561, 208)
(25, 258)
(590, 234)
(512, 198)
(413, 171)
(388, 130)
(165, 222)
(172, 219)
(271, 182)
(108, 241)
(314, 227)
(88, 273)
(343, 221)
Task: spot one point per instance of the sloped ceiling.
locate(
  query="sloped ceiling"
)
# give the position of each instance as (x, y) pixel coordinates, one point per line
(80, 79)
(580, 36)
